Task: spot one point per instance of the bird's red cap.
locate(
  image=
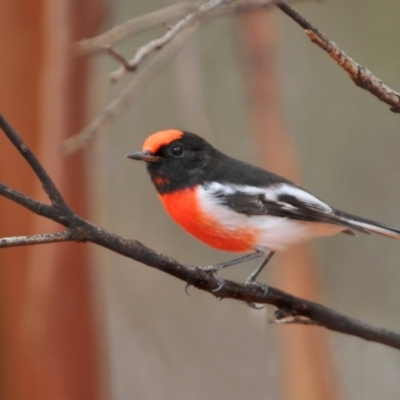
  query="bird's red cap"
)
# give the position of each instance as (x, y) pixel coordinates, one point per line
(162, 138)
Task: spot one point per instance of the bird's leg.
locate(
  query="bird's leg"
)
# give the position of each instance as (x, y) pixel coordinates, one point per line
(235, 261)
(253, 277)
(247, 257)
(217, 267)
(256, 272)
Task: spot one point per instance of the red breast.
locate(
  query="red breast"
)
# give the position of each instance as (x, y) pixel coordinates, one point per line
(183, 206)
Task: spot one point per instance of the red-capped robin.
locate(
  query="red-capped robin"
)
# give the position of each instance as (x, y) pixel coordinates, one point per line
(235, 206)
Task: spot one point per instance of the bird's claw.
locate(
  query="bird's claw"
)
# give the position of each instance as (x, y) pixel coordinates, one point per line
(187, 285)
(220, 284)
(213, 269)
(265, 291)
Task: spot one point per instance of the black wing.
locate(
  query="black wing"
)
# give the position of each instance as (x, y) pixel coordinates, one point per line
(285, 206)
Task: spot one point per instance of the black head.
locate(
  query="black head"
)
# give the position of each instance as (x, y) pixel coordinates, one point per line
(175, 159)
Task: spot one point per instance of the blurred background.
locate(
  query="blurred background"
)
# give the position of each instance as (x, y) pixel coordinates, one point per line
(78, 322)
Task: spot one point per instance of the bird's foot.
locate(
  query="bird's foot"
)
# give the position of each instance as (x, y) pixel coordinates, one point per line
(213, 270)
(251, 280)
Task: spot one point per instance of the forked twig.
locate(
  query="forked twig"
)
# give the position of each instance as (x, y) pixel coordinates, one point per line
(132, 27)
(126, 97)
(48, 185)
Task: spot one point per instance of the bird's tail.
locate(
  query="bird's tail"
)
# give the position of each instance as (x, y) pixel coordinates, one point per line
(369, 226)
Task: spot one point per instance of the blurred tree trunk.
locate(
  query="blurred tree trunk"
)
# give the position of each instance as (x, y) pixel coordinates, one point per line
(307, 366)
(48, 340)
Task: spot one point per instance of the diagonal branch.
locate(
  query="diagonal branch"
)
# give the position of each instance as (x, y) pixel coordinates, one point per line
(360, 75)
(80, 230)
(47, 183)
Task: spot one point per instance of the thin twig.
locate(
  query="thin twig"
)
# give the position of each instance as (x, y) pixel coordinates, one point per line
(143, 78)
(163, 16)
(157, 44)
(14, 241)
(126, 97)
(117, 55)
(132, 27)
(360, 75)
(47, 183)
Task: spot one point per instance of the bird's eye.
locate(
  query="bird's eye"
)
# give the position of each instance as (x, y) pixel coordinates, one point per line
(177, 151)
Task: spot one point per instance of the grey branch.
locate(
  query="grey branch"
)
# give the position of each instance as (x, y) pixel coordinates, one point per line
(14, 241)
(126, 97)
(179, 34)
(144, 77)
(155, 19)
(290, 308)
(360, 75)
(156, 44)
(132, 27)
(48, 185)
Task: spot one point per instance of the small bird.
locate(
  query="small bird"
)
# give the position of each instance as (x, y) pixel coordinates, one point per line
(235, 206)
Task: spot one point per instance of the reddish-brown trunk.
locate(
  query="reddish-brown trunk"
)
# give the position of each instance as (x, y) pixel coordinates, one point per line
(48, 340)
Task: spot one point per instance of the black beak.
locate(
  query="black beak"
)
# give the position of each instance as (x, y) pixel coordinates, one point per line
(143, 156)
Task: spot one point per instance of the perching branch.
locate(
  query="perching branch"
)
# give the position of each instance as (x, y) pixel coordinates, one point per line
(290, 308)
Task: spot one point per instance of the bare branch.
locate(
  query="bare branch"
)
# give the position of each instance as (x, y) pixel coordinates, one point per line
(191, 19)
(289, 307)
(360, 75)
(126, 97)
(133, 27)
(44, 238)
(33, 205)
(163, 16)
(47, 183)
